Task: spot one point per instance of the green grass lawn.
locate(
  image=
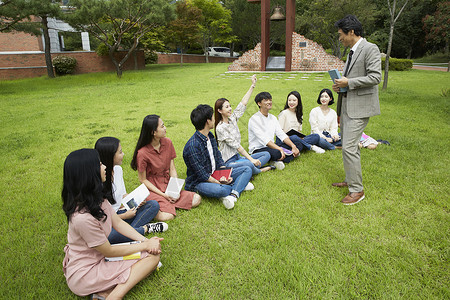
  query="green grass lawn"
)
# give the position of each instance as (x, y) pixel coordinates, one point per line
(290, 238)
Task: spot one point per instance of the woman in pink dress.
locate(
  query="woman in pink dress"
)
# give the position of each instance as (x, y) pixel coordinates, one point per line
(153, 159)
(91, 219)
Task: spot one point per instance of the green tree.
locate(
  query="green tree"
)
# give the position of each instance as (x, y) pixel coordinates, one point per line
(394, 15)
(214, 24)
(437, 26)
(185, 29)
(409, 36)
(111, 20)
(151, 41)
(245, 22)
(13, 15)
(318, 19)
(17, 15)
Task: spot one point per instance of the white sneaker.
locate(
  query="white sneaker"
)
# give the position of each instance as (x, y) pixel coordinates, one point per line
(228, 201)
(317, 149)
(157, 227)
(278, 164)
(249, 187)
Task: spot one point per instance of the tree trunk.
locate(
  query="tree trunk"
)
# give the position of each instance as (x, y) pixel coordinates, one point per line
(135, 59)
(206, 51)
(391, 35)
(388, 54)
(410, 49)
(112, 50)
(48, 56)
(181, 55)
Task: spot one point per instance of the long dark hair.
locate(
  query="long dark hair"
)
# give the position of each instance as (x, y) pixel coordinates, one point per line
(149, 126)
(217, 116)
(299, 108)
(82, 184)
(107, 147)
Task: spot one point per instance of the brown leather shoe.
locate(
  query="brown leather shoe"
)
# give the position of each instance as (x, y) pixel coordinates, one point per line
(353, 198)
(340, 184)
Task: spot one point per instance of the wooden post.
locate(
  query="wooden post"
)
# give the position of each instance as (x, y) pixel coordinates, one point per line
(265, 32)
(290, 26)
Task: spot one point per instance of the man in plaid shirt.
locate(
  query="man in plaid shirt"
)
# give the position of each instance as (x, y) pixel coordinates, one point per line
(202, 158)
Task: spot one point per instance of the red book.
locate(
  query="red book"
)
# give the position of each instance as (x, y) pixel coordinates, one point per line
(223, 172)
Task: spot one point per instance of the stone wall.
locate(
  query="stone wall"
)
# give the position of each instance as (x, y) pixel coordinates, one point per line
(249, 61)
(307, 55)
(312, 57)
(173, 58)
(23, 65)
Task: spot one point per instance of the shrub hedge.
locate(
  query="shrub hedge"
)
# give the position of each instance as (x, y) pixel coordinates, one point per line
(397, 64)
(151, 57)
(64, 64)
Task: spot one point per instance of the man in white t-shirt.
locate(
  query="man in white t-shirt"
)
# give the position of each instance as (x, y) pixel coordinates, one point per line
(262, 128)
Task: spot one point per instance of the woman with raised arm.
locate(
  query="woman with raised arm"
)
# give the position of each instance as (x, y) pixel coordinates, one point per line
(229, 137)
(153, 159)
(91, 219)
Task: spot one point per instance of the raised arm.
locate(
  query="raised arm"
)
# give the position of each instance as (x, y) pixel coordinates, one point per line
(246, 97)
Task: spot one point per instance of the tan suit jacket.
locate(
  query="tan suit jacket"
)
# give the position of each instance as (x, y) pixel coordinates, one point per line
(361, 102)
(364, 75)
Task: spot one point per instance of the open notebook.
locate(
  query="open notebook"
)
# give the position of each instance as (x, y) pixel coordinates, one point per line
(135, 198)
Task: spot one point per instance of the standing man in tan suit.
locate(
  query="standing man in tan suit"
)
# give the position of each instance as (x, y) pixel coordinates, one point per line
(362, 74)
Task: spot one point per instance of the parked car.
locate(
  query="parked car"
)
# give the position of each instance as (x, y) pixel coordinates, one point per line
(220, 51)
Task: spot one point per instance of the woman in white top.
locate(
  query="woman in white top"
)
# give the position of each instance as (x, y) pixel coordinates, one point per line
(323, 119)
(111, 155)
(229, 137)
(291, 119)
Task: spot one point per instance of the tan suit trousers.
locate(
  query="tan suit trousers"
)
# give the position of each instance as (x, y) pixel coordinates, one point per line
(351, 131)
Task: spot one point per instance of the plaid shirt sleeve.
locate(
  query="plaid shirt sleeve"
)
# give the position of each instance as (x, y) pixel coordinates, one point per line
(197, 160)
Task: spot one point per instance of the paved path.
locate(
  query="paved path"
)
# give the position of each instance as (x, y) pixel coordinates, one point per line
(429, 68)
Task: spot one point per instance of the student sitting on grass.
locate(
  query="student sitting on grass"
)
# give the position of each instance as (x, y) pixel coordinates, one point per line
(229, 137)
(153, 159)
(262, 127)
(91, 219)
(291, 118)
(367, 142)
(324, 121)
(111, 155)
(202, 158)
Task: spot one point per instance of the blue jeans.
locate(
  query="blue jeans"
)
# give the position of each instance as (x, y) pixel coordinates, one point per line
(241, 176)
(144, 215)
(337, 143)
(238, 161)
(275, 154)
(301, 144)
